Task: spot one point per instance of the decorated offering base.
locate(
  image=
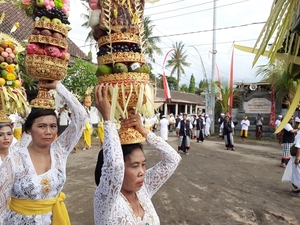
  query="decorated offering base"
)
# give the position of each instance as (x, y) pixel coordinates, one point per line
(130, 136)
(44, 99)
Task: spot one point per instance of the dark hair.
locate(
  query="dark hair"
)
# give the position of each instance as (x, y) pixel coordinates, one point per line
(126, 149)
(6, 124)
(35, 113)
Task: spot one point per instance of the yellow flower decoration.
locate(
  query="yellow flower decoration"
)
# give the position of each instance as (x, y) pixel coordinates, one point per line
(10, 68)
(17, 25)
(8, 42)
(45, 181)
(10, 76)
(47, 189)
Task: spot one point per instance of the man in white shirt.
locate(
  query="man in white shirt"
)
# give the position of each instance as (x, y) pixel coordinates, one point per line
(207, 126)
(280, 133)
(171, 123)
(164, 123)
(63, 119)
(245, 123)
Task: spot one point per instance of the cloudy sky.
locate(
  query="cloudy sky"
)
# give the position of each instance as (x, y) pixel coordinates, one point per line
(191, 22)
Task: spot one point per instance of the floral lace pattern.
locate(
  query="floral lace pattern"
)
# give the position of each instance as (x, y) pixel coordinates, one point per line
(110, 207)
(20, 180)
(24, 142)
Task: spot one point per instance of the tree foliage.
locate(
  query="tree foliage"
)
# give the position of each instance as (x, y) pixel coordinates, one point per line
(184, 88)
(80, 76)
(192, 87)
(178, 61)
(28, 82)
(89, 38)
(151, 41)
(284, 82)
(172, 82)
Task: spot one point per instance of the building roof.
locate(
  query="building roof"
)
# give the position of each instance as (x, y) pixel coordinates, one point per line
(180, 97)
(13, 14)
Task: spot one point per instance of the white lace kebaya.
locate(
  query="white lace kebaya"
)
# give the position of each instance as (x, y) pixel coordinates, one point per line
(110, 205)
(23, 142)
(20, 180)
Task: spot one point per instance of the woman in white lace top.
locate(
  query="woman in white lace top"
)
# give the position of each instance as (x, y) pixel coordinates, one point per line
(125, 188)
(32, 178)
(7, 144)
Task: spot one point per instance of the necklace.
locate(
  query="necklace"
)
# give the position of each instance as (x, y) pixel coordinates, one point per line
(138, 220)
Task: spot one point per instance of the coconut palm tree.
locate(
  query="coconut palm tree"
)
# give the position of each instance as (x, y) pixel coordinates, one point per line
(178, 61)
(86, 16)
(283, 82)
(151, 41)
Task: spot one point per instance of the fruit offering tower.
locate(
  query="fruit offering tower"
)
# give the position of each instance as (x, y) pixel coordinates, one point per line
(118, 27)
(47, 57)
(12, 94)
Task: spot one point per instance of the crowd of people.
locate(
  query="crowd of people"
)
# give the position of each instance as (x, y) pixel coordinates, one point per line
(33, 167)
(33, 170)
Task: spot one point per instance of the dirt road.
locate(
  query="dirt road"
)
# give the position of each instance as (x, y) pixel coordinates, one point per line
(211, 186)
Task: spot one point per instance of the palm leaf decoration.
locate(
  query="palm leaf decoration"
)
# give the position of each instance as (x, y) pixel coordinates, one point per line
(282, 19)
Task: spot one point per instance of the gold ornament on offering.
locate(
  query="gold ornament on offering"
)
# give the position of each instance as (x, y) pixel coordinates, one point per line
(121, 61)
(47, 57)
(4, 118)
(87, 98)
(12, 95)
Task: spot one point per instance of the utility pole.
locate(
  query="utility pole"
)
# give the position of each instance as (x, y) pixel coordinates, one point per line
(213, 71)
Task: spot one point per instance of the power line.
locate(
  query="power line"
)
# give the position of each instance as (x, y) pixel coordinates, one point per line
(198, 11)
(180, 8)
(224, 42)
(170, 3)
(202, 31)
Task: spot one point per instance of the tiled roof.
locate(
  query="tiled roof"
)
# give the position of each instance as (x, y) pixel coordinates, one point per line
(13, 14)
(180, 97)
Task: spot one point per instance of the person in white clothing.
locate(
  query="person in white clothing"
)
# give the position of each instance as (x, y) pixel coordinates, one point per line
(171, 123)
(64, 119)
(207, 126)
(279, 135)
(245, 123)
(8, 143)
(35, 175)
(292, 170)
(164, 125)
(124, 186)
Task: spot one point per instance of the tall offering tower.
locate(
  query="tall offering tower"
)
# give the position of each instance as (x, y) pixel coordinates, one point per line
(118, 27)
(46, 54)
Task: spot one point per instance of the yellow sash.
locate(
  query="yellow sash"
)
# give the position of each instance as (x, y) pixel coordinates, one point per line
(30, 207)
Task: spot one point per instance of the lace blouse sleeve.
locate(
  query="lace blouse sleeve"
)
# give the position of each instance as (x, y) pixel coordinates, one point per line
(112, 174)
(69, 138)
(157, 175)
(6, 183)
(22, 143)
